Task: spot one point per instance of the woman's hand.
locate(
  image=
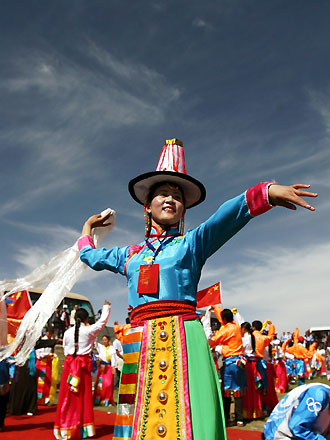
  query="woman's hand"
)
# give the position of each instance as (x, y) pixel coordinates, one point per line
(289, 196)
(96, 221)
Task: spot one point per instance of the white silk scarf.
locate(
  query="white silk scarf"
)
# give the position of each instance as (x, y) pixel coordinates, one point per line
(61, 273)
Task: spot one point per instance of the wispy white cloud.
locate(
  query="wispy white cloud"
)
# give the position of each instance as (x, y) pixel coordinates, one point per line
(32, 195)
(203, 24)
(319, 101)
(71, 104)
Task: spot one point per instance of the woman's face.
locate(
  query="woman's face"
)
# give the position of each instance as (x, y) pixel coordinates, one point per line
(167, 205)
(105, 341)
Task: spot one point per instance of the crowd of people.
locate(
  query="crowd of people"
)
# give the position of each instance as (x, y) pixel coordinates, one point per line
(35, 384)
(255, 365)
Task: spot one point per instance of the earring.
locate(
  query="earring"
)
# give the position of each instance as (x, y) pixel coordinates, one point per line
(147, 222)
(181, 226)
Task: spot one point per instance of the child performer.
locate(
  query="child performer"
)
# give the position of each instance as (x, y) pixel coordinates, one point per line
(168, 368)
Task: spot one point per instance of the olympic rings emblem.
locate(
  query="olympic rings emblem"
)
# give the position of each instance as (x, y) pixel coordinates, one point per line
(312, 406)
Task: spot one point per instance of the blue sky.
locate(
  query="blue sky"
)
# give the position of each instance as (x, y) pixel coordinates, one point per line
(89, 93)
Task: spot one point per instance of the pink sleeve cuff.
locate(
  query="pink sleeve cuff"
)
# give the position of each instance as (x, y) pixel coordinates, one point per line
(85, 241)
(257, 199)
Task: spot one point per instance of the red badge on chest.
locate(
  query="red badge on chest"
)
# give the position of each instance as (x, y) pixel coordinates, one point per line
(148, 279)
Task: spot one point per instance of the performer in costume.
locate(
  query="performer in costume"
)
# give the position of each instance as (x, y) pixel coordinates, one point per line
(166, 350)
(282, 381)
(233, 379)
(270, 400)
(23, 388)
(289, 361)
(261, 342)
(304, 413)
(103, 388)
(47, 370)
(74, 415)
(252, 406)
(300, 353)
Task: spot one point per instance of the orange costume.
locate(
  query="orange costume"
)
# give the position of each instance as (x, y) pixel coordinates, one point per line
(301, 354)
(266, 370)
(262, 341)
(233, 383)
(229, 336)
(121, 331)
(299, 351)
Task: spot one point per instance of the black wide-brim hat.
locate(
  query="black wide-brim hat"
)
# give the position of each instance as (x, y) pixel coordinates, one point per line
(171, 168)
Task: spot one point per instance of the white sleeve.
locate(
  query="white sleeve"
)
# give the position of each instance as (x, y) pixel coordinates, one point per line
(94, 329)
(238, 318)
(206, 321)
(113, 357)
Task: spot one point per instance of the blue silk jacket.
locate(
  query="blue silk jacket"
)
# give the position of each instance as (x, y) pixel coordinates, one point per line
(181, 260)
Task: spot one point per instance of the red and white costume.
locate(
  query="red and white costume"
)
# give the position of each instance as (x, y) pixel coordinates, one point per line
(47, 373)
(281, 381)
(103, 390)
(74, 415)
(252, 408)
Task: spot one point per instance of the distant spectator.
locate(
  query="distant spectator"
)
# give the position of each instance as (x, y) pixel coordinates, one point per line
(72, 315)
(55, 322)
(64, 320)
(309, 339)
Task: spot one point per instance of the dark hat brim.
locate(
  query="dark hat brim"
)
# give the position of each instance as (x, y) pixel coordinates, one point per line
(193, 190)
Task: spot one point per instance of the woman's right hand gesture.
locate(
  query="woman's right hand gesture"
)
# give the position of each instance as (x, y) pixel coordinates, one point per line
(96, 221)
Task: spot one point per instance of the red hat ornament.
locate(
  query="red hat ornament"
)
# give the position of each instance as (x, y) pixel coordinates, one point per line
(170, 168)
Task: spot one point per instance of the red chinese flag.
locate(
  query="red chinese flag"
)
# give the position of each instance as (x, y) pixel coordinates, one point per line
(209, 297)
(17, 305)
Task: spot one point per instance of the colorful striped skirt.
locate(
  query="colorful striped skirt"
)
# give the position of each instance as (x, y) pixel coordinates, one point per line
(169, 386)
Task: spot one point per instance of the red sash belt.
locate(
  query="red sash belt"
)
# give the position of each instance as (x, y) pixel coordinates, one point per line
(159, 309)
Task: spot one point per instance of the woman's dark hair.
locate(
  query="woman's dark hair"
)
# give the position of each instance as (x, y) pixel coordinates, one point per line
(227, 315)
(80, 316)
(257, 325)
(247, 326)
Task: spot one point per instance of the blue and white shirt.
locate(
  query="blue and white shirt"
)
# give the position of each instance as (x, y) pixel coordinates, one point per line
(304, 413)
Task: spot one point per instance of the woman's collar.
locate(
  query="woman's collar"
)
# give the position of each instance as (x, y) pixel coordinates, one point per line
(158, 232)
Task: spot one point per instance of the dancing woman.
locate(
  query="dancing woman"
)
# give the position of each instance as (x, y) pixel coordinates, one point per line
(74, 415)
(168, 368)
